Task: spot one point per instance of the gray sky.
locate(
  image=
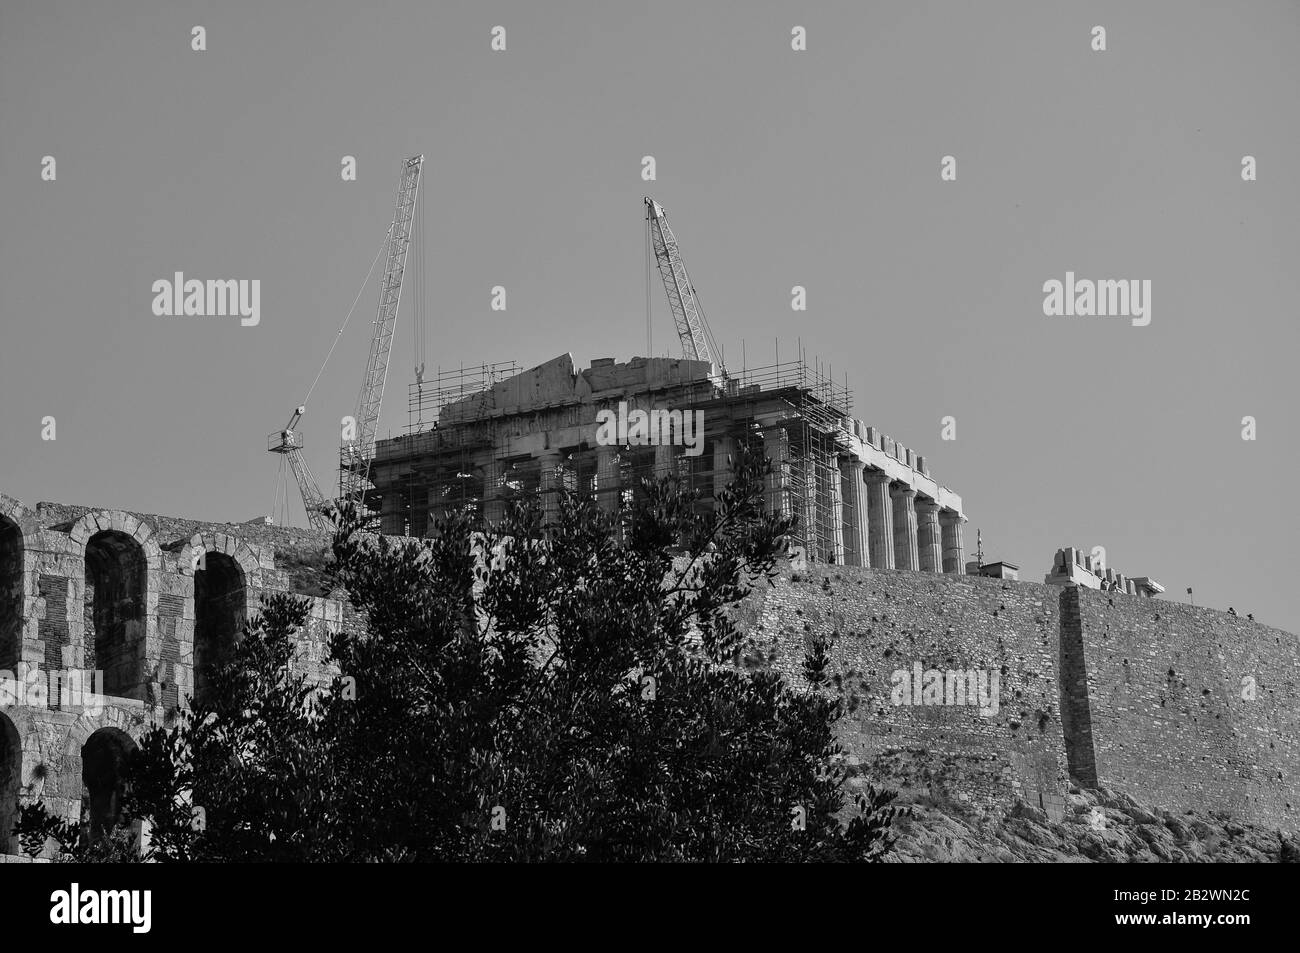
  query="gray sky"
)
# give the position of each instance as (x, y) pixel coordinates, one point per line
(777, 168)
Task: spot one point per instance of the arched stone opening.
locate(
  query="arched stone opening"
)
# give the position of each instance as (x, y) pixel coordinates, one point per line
(11, 779)
(11, 593)
(220, 611)
(105, 758)
(116, 578)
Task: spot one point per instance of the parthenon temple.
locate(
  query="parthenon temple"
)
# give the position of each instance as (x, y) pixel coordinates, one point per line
(481, 436)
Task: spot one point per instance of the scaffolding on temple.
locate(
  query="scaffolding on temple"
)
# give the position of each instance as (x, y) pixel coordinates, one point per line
(449, 421)
(458, 454)
(800, 418)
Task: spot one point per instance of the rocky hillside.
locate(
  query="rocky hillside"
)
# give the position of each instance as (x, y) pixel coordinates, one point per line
(1101, 826)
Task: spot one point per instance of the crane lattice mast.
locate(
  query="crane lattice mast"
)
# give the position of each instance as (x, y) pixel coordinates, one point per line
(357, 451)
(692, 329)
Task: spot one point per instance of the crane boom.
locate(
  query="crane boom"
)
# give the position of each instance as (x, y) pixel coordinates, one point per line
(356, 453)
(691, 326)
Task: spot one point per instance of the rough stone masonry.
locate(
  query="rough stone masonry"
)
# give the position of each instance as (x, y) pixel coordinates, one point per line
(1185, 707)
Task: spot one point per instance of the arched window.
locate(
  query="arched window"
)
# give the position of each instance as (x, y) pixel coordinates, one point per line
(11, 779)
(220, 609)
(104, 760)
(115, 611)
(11, 593)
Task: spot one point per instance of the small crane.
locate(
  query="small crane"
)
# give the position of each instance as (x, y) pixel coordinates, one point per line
(289, 442)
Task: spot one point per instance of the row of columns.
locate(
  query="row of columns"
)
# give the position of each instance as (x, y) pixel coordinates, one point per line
(886, 525)
(609, 486)
(873, 521)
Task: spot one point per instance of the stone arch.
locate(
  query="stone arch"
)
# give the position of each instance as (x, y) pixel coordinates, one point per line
(115, 610)
(11, 779)
(105, 758)
(234, 574)
(220, 611)
(130, 679)
(230, 546)
(122, 719)
(12, 508)
(12, 591)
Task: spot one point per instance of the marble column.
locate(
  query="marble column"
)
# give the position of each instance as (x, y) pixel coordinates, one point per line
(929, 541)
(805, 507)
(494, 506)
(854, 491)
(609, 479)
(906, 555)
(880, 512)
(393, 515)
(833, 500)
(954, 553)
(776, 446)
(723, 448)
(548, 461)
(665, 460)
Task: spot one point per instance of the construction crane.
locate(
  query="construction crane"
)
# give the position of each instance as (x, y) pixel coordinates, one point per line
(289, 442)
(358, 443)
(692, 328)
(358, 449)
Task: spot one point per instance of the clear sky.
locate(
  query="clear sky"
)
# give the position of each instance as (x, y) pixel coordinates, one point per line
(778, 168)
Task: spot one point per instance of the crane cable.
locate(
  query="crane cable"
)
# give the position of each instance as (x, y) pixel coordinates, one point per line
(708, 333)
(649, 253)
(382, 246)
(279, 482)
(422, 264)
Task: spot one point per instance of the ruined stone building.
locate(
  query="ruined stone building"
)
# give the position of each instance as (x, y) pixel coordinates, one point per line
(483, 437)
(1074, 567)
(146, 600)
